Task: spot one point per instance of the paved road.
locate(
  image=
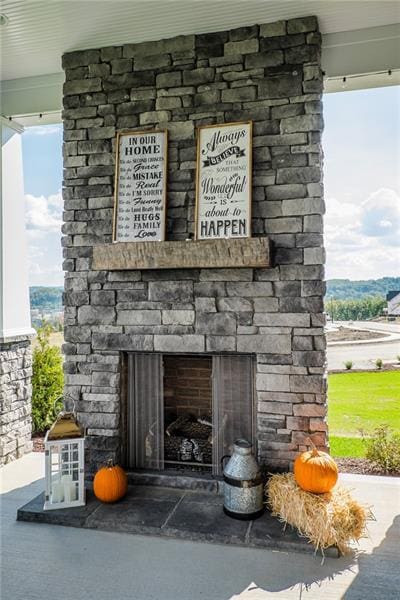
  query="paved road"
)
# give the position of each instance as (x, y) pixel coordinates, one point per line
(49, 561)
(385, 326)
(362, 355)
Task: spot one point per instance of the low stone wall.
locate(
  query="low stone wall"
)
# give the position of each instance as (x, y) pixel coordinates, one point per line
(15, 400)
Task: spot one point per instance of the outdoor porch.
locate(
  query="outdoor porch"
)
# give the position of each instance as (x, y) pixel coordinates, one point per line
(172, 541)
(58, 557)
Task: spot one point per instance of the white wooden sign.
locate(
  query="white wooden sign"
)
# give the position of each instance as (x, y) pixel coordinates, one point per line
(140, 186)
(223, 187)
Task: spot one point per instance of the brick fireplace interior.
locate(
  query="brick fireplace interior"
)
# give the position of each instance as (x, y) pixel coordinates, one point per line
(188, 405)
(269, 74)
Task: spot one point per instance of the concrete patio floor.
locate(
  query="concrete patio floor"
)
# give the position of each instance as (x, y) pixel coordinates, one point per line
(40, 561)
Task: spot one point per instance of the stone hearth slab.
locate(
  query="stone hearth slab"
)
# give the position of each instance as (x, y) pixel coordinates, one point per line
(268, 530)
(138, 512)
(170, 512)
(199, 518)
(73, 517)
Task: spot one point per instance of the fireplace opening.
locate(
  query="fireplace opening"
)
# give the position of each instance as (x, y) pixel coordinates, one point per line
(188, 427)
(185, 411)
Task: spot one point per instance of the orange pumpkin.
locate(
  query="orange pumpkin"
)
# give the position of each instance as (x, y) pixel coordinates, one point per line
(315, 471)
(110, 483)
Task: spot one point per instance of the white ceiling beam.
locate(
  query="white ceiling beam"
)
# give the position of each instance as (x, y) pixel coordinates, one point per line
(362, 56)
(33, 96)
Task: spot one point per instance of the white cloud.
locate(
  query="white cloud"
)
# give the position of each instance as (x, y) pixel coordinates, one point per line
(35, 234)
(35, 252)
(43, 214)
(360, 238)
(43, 221)
(47, 276)
(380, 216)
(34, 268)
(56, 200)
(43, 130)
(45, 258)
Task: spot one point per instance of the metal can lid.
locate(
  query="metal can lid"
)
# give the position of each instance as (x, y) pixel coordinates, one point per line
(242, 443)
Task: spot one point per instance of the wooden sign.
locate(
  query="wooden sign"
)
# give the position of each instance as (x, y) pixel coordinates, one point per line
(140, 186)
(223, 187)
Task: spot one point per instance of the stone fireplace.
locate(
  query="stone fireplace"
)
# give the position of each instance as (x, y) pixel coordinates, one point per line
(170, 353)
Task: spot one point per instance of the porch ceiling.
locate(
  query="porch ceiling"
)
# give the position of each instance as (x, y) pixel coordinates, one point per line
(39, 32)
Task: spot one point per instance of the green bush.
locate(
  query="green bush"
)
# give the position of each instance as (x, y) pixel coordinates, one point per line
(348, 364)
(383, 448)
(379, 363)
(47, 380)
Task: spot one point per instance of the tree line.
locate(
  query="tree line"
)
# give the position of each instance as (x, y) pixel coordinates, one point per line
(46, 298)
(355, 310)
(344, 289)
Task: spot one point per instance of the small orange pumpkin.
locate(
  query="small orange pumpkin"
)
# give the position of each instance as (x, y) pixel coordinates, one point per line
(315, 471)
(110, 483)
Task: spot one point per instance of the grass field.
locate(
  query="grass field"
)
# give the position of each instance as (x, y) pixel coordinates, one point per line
(346, 446)
(361, 401)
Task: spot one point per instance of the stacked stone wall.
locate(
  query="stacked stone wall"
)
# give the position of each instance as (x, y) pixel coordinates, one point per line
(269, 74)
(15, 400)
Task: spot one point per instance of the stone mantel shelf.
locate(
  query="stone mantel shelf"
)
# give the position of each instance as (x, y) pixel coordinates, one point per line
(202, 254)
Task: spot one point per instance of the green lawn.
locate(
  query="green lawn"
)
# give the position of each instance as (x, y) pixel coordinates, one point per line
(361, 401)
(346, 446)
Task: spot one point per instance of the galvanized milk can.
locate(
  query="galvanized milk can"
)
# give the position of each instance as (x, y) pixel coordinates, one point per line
(243, 486)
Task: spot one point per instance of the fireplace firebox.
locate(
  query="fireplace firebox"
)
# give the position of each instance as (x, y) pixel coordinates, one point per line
(185, 411)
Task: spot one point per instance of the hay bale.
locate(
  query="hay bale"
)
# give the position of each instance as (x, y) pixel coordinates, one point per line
(332, 519)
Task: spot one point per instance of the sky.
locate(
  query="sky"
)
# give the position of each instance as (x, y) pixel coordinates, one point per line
(361, 144)
(42, 164)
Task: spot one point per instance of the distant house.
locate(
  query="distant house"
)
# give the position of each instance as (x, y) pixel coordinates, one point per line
(393, 303)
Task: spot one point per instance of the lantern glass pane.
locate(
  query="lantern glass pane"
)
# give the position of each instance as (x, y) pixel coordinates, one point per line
(64, 474)
(56, 491)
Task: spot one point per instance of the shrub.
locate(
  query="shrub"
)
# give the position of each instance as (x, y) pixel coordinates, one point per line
(379, 363)
(383, 448)
(348, 364)
(47, 380)
(398, 358)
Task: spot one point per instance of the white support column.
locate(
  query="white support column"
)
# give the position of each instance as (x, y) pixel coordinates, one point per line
(15, 318)
(15, 321)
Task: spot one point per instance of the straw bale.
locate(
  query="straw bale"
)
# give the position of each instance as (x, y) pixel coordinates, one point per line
(332, 519)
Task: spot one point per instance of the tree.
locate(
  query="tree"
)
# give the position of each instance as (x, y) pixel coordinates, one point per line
(349, 310)
(47, 379)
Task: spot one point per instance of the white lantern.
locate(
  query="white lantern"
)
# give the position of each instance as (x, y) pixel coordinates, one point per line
(64, 463)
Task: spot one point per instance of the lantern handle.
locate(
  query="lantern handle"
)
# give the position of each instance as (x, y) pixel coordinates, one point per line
(64, 397)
